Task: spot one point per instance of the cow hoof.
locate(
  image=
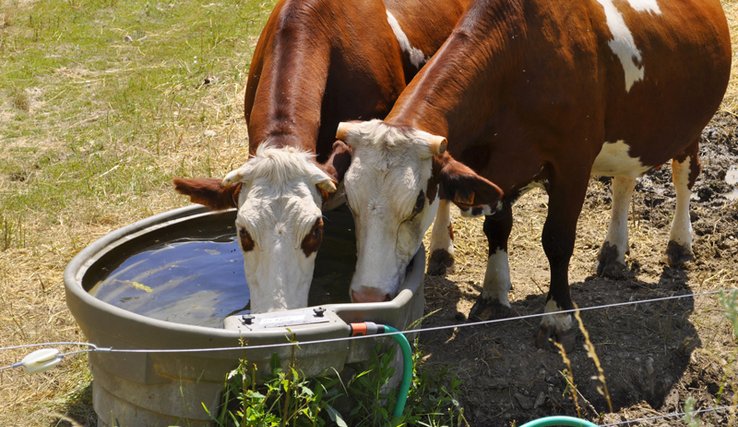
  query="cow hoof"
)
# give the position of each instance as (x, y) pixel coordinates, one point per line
(609, 265)
(440, 263)
(678, 255)
(547, 335)
(489, 309)
(612, 270)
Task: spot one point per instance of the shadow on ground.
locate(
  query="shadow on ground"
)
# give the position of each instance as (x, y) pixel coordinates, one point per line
(78, 411)
(644, 350)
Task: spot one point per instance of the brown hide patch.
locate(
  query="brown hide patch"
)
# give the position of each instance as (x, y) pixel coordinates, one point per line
(314, 238)
(247, 242)
(461, 185)
(695, 166)
(338, 162)
(209, 192)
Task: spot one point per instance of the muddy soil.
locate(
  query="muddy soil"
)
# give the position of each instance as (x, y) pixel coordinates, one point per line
(654, 356)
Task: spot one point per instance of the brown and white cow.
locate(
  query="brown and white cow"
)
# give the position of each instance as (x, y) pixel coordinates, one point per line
(317, 62)
(538, 92)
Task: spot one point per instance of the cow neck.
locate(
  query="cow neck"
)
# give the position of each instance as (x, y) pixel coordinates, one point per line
(286, 109)
(454, 92)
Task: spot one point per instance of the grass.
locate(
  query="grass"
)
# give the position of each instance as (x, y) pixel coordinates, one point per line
(128, 99)
(730, 102)
(101, 103)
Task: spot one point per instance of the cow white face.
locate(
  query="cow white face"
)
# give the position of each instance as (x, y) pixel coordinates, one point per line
(279, 224)
(388, 191)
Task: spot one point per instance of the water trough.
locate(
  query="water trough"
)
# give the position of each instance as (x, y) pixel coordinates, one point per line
(175, 281)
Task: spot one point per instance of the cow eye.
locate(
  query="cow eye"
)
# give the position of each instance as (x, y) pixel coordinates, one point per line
(419, 204)
(247, 242)
(312, 241)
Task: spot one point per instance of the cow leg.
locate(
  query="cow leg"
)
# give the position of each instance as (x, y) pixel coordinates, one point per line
(442, 241)
(493, 301)
(559, 232)
(683, 175)
(611, 260)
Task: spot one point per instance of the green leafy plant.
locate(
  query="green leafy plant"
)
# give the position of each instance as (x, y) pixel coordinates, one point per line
(358, 396)
(286, 398)
(433, 397)
(690, 416)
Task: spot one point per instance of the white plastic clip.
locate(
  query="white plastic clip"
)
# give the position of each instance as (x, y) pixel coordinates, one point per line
(41, 360)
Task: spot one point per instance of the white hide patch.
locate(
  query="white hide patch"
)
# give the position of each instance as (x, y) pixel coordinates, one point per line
(417, 57)
(681, 226)
(614, 160)
(441, 234)
(622, 43)
(497, 278)
(559, 322)
(617, 233)
(278, 205)
(481, 210)
(645, 6)
(390, 168)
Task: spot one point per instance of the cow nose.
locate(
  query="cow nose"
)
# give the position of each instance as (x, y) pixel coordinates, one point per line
(365, 294)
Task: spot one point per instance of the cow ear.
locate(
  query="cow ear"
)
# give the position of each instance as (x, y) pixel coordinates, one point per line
(338, 162)
(210, 192)
(464, 187)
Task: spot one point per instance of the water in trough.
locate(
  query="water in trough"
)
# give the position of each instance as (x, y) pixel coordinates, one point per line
(200, 281)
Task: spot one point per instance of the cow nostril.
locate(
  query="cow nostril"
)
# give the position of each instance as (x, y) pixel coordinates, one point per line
(387, 297)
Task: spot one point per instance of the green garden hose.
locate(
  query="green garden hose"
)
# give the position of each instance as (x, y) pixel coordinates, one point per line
(559, 420)
(407, 370)
(370, 328)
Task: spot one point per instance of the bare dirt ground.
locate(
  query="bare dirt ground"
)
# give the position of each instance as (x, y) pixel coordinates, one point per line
(655, 356)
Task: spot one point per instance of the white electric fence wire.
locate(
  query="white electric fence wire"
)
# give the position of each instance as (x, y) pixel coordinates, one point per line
(670, 415)
(95, 348)
(47, 344)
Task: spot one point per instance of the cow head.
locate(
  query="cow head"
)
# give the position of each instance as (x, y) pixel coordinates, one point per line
(392, 186)
(279, 193)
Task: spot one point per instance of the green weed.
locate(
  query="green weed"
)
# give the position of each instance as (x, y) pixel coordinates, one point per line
(286, 397)
(12, 233)
(730, 304)
(690, 416)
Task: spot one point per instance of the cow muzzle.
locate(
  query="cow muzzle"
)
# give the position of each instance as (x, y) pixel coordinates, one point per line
(364, 294)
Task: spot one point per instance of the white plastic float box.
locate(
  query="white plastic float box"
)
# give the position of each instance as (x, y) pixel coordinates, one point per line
(294, 320)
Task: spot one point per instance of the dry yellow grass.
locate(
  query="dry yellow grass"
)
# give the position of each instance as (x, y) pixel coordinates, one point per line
(730, 103)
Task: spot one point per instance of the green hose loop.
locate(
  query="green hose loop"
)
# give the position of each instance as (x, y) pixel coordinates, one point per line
(559, 420)
(407, 370)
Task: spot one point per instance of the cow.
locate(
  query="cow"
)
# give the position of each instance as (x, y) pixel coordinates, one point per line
(538, 93)
(317, 62)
